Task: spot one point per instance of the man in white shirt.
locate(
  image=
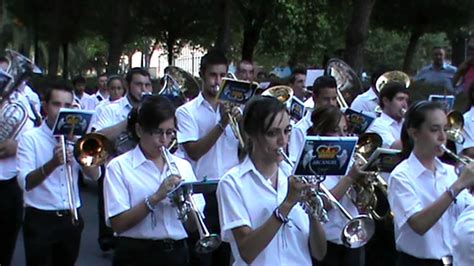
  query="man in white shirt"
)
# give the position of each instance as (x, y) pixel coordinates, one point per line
(463, 239)
(85, 101)
(11, 197)
(394, 103)
(112, 122)
(297, 82)
(205, 135)
(368, 101)
(324, 93)
(48, 231)
(102, 92)
(245, 70)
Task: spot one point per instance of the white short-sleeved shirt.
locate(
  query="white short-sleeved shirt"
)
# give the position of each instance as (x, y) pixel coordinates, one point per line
(195, 120)
(130, 178)
(366, 102)
(468, 131)
(463, 242)
(389, 129)
(298, 133)
(36, 148)
(113, 114)
(412, 188)
(8, 165)
(337, 220)
(86, 102)
(246, 198)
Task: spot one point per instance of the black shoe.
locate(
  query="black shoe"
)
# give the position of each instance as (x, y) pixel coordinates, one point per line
(107, 243)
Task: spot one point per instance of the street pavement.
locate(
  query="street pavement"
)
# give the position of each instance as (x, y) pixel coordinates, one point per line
(90, 253)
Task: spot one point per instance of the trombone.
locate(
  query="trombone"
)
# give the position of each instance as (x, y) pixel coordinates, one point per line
(71, 191)
(358, 230)
(182, 199)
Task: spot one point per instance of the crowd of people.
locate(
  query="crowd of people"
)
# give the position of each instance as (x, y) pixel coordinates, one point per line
(256, 206)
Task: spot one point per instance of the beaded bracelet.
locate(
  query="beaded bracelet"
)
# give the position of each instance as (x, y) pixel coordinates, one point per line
(280, 217)
(148, 204)
(42, 170)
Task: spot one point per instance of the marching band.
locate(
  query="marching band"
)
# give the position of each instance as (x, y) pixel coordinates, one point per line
(184, 176)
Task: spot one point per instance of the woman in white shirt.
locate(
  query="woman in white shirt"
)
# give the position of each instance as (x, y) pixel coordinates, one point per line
(330, 121)
(136, 187)
(426, 196)
(258, 209)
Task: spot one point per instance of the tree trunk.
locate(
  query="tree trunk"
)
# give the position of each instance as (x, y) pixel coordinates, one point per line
(117, 35)
(415, 36)
(459, 49)
(170, 41)
(53, 58)
(223, 21)
(251, 36)
(65, 60)
(357, 34)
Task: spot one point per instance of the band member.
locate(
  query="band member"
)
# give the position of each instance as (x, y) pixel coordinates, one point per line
(426, 196)
(112, 122)
(258, 198)
(368, 101)
(297, 83)
(463, 241)
(394, 103)
(11, 197)
(116, 90)
(324, 93)
(84, 100)
(207, 138)
(102, 93)
(245, 70)
(330, 121)
(48, 232)
(467, 147)
(136, 187)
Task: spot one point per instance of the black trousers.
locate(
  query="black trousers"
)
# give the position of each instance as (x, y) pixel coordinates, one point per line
(105, 232)
(11, 215)
(408, 260)
(51, 238)
(382, 245)
(339, 255)
(220, 256)
(141, 252)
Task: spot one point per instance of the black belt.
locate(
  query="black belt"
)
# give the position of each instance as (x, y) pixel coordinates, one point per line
(58, 213)
(161, 244)
(417, 261)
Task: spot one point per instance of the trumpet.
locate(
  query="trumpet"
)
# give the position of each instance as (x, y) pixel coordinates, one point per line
(182, 199)
(358, 230)
(71, 192)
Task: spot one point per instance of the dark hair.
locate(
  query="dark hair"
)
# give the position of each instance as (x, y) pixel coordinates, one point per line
(104, 74)
(78, 79)
(246, 62)
(390, 90)
(136, 70)
(56, 86)
(325, 119)
(414, 118)
(259, 114)
(296, 71)
(323, 82)
(213, 57)
(112, 78)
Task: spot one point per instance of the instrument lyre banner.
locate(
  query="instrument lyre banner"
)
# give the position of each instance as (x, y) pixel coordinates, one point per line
(358, 121)
(297, 109)
(73, 121)
(236, 91)
(325, 156)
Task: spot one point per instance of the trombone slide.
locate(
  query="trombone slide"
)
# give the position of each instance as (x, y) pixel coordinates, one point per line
(71, 192)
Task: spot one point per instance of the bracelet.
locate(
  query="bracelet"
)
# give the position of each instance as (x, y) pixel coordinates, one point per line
(280, 217)
(148, 204)
(221, 126)
(451, 194)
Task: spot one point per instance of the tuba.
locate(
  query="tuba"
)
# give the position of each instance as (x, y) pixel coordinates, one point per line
(455, 126)
(13, 115)
(388, 77)
(283, 93)
(182, 199)
(348, 83)
(178, 85)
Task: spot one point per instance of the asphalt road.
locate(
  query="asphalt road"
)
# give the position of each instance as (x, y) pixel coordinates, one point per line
(90, 253)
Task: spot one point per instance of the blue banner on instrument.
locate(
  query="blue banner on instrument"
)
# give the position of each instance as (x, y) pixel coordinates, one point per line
(73, 122)
(358, 121)
(323, 156)
(297, 109)
(446, 100)
(236, 91)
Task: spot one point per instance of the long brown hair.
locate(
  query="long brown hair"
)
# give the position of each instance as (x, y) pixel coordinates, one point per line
(325, 119)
